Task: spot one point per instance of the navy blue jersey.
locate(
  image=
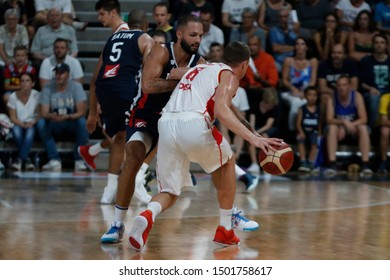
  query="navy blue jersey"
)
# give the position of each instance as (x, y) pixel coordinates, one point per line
(121, 69)
(348, 112)
(310, 119)
(149, 106)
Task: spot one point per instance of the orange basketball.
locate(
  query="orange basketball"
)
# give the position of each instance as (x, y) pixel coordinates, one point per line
(277, 163)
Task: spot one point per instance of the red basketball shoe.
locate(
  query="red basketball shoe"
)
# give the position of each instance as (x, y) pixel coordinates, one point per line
(140, 231)
(225, 237)
(87, 158)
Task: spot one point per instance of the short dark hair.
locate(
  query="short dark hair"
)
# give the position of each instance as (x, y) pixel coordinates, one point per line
(160, 33)
(137, 18)
(207, 10)
(235, 53)
(306, 90)
(32, 76)
(161, 4)
(215, 44)
(381, 35)
(184, 20)
(66, 41)
(342, 76)
(20, 48)
(108, 5)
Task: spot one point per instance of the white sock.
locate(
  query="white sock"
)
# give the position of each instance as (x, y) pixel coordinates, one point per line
(95, 149)
(112, 180)
(225, 218)
(239, 171)
(144, 167)
(155, 207)
(120, 213)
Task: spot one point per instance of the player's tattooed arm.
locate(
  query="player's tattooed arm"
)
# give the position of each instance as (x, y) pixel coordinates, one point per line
(242, 119)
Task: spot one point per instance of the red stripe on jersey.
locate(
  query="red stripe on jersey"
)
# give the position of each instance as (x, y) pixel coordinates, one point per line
(218, 138)
(140, 105)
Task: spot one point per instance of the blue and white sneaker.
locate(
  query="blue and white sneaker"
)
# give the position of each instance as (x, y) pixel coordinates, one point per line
(241, 223)
(250, 181)
(114, 234)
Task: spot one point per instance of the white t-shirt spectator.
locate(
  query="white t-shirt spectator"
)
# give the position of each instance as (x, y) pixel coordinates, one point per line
(240, 100)
(65, 6)
(46, 71)
(215, 34)
(235, 7)
(350, 12)
(24, 112)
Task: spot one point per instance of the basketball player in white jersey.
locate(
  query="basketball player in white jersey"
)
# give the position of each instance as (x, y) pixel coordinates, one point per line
(187, 134)
(109, 14)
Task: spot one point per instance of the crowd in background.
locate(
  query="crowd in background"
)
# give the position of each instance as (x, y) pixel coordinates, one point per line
(318, 75)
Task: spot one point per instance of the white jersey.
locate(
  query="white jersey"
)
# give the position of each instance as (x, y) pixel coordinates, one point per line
(121, 27)
(196, 90)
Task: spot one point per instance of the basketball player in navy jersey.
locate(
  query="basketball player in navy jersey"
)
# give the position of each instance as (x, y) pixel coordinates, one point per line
(117, 82)
(109, 14)
(162, 69)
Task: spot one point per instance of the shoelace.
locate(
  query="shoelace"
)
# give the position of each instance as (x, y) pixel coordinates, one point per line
(113, 229)
(237, 216)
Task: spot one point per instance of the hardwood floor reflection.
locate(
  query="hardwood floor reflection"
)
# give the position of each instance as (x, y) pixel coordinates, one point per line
(48, 217)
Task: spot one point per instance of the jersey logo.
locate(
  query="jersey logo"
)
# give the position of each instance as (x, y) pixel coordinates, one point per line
(111, 71)
(141, 124)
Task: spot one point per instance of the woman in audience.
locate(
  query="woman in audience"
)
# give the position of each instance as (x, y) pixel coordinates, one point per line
(298, 72)
(331, 35)
(360, 39)
(22, 107)
(269, 13)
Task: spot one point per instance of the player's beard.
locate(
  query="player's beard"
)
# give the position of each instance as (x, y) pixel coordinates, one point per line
(187, 47)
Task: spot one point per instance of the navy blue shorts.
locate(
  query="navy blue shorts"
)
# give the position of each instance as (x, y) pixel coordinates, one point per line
(114, 112)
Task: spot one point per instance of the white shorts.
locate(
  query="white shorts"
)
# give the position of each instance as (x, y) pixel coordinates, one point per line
(186, 138)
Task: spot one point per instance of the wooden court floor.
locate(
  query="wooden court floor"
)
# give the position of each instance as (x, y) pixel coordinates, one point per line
(56, 216)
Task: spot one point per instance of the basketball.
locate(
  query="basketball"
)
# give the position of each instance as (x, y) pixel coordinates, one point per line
(277, 163)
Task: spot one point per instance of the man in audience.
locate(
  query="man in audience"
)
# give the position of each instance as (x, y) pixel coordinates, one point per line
(282, 38)
(63, 104)
(42, 44)
(161, 18)
(211, 34)
(374, 75)
(346, 117)
(261, 73)
(61, 55)
(43, 6)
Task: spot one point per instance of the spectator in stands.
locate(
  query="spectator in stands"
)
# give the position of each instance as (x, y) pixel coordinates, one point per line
(374, 75)
(195, 7)
(42, 8)
(62, 106)
(282, 38)
(61, 55)
(232, 11)
(360, 39)
(42, 44)
(261, 73)
(328, 36)
(22, 108)
(248, 28)
(308, 129)
(13, 4)
(298, 73)
(311, 15)
(332, 68)
(269, 13)
(346, 117)
(216, 52)
(264, 119)
(211, 33)
(347, 10)
(159, 36)
(13, 71)
(12, 34)
(382, 16)
(384, 113)
(161, 18)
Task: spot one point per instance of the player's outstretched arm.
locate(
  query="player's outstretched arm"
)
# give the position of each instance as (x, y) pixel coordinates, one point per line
(227, 88)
